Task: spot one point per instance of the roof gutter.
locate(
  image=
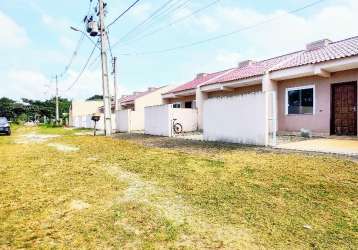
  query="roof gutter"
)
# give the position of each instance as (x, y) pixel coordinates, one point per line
(187, 92)
(229, 86)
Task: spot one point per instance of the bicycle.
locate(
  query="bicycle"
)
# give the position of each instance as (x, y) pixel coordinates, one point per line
(177, 127)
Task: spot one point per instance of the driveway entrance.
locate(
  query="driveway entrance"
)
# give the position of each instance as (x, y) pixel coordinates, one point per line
(342, 146)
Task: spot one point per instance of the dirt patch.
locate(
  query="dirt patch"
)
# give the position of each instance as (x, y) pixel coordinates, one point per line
(63, 147)
(78, 205)
(92, 158)
(174, 208)
(84, 133)
(34, 138)
(212, 148)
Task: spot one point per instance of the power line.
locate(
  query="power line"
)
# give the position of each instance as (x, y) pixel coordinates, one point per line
(123, 13)
(114, 21)
(162, 15)
(147, 19)
(153, 15)
(109, 46)
(174, 22)
(75, 52)
(227, 34)
(82, 70)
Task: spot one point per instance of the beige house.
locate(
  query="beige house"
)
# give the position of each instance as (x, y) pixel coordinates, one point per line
(81, 111)
(130, 113)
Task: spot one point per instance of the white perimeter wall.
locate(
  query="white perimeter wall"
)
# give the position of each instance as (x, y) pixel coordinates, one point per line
(85, 121)
(128, 120)
(188, 118)
(238, 119)
(122, 120)
(137, 120)
(158, 119)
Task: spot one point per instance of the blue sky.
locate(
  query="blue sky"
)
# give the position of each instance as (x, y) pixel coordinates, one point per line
(36, 42)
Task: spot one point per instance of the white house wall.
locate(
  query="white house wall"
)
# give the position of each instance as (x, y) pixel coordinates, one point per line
(152, 99)
(237, 119)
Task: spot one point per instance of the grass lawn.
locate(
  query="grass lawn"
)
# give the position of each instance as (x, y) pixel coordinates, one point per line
(89, 192)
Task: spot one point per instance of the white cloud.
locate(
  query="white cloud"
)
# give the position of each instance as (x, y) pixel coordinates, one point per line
(141, 10)
(287, 32)
(88, 85)
(67, 43)
(23, 83)
(226, 59)
(32, 84)
(208, 23)
(12, 35)
(181, 13)
(55, 24)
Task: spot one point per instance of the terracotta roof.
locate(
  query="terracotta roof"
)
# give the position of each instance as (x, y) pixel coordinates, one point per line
(255, 69)
(133, 97)
(334, 50)
(198, 80)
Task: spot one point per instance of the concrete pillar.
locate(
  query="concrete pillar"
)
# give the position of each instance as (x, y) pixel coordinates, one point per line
(268, 84)
(200, 98)
(269, 87)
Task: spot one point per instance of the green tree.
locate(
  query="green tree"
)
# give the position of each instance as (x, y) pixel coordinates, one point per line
(95, 98)
(32, 109)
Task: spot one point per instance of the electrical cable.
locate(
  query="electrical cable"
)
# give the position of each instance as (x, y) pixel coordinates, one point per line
(123, 13)
(82, 70)
(173, 23)
(192, 44)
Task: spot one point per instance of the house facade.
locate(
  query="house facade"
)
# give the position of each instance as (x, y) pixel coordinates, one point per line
(130, 113)
(313, 90)
(188, 95)
(80, 113)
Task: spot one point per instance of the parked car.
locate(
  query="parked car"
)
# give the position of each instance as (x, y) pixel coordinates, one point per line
(5, 126)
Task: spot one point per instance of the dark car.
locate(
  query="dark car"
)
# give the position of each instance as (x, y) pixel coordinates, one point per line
(4, 126)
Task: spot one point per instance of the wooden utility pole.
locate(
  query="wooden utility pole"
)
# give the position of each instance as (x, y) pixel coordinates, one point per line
(57, 106)
(105, 80)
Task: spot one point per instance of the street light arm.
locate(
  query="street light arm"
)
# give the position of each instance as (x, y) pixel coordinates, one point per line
(85, 34)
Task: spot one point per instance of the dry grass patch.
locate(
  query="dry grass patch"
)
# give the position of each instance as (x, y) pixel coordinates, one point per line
(139, 197)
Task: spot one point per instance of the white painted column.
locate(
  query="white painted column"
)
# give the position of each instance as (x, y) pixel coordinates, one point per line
(200, 99)
(269, 87)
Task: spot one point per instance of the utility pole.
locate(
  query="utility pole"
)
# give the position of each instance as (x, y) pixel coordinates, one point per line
(114, 66)
(105, 80)
(57, 106)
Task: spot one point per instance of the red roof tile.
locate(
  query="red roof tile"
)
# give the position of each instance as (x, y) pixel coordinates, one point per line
(133, 97)
(199, 80)
(334, 50)
(255, 69)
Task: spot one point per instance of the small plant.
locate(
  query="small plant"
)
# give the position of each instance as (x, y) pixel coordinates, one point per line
(305, 133)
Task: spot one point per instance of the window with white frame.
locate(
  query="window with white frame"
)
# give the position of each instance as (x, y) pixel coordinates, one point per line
(300, 100)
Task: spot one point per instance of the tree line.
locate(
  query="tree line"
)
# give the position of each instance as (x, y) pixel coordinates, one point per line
(33, 110)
